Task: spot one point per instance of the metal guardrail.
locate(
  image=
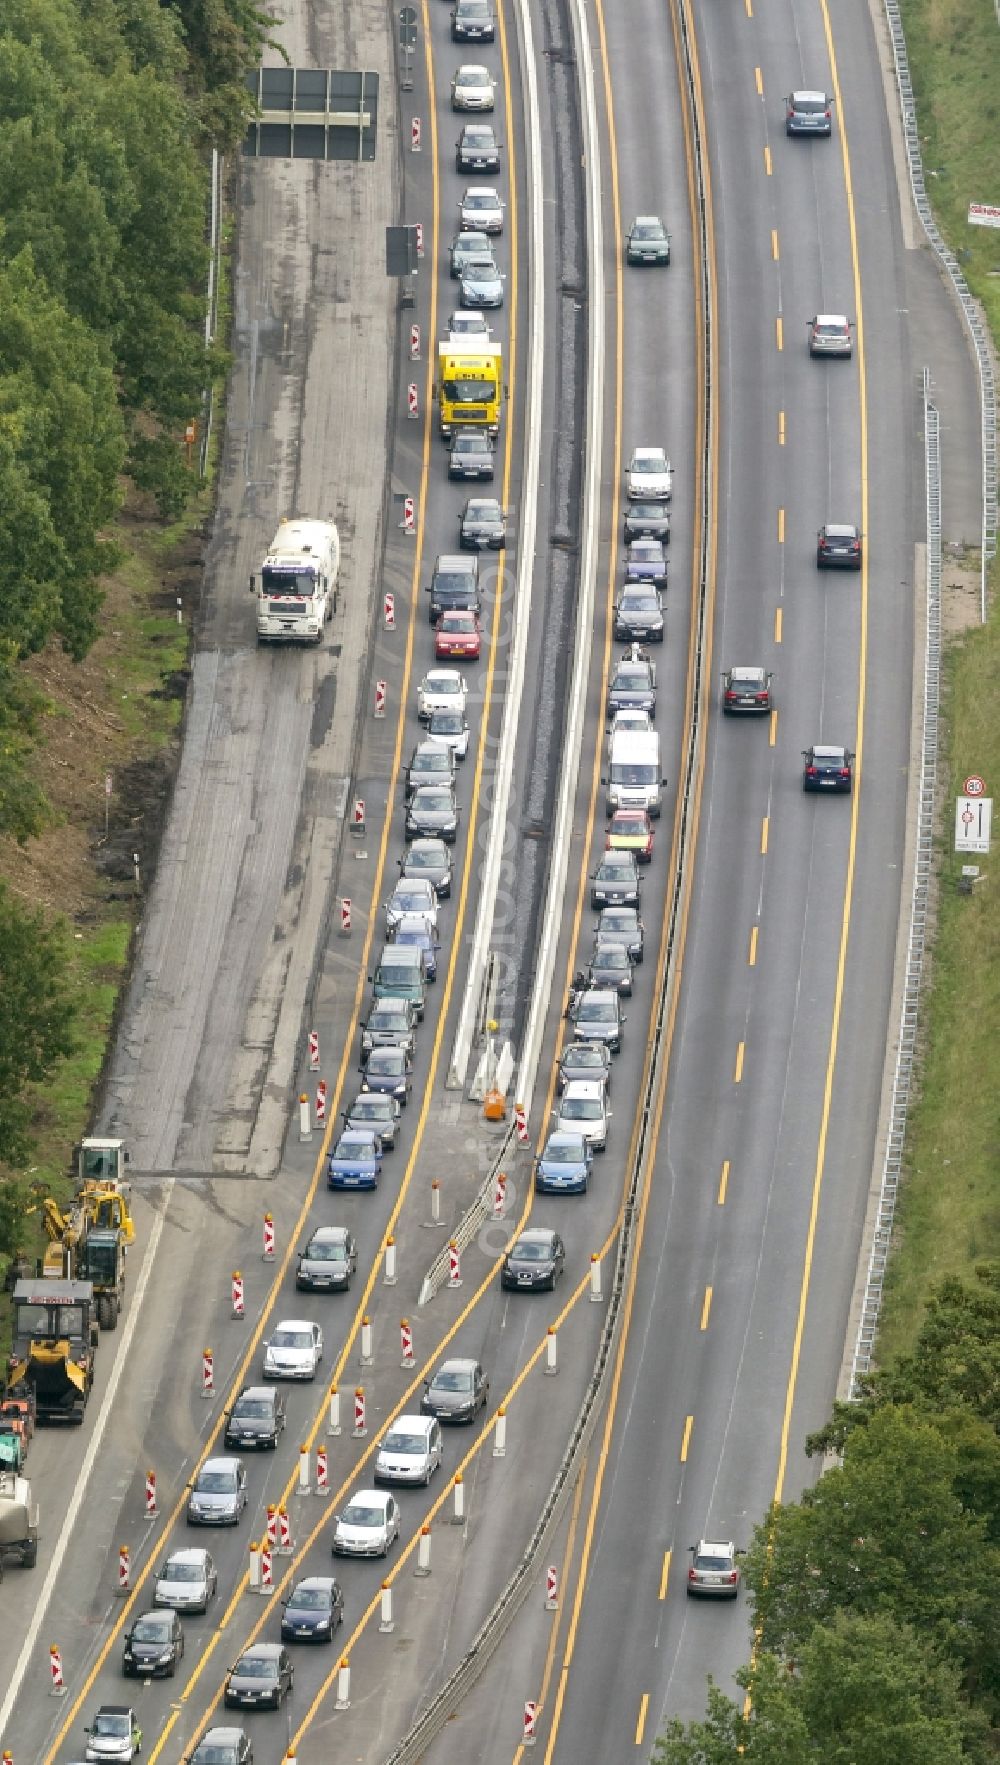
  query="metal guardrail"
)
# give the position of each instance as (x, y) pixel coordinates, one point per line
(467, 1227)
(415, 1743)
(906, 1052)
(211, 304)
(978, 329)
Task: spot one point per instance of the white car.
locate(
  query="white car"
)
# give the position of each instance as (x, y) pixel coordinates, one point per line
(442, 689)
(412, 894)
(637, 721)
(468, 327)
(114, 1733)
(411, 1451)
(294, 1351)
(473, 88)
(482, 208)
(187, 1581)
(583, 1109)
(650, 474)
(368, 1526)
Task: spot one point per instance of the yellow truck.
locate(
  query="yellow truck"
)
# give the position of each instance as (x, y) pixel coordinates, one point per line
(469, 386)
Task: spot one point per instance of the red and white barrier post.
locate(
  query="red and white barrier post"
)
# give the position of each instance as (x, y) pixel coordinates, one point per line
(551, 1588)
(412, 401)
(499, 1196)
(314, 1051)
(58, 1686)
(152, 1511)
(272, 1524)
(360, 1428)
(409, 521)
(123, 1568)
(358, 815)
(389, 610)
(419, 230)
(528, 1736)
(345, 915)
(285, 1546)
(321, 1103)
(266, 1567)
(406, 1343)
(415, 135)
(454, 1264)
(414, 343)
(381, 693)
(268, 1235)
(322, 1472)
(207, 1373)
(521, 1124)
(239, 1306)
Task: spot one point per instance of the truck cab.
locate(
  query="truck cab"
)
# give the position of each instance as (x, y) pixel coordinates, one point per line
(54, 1338)
(296, 591)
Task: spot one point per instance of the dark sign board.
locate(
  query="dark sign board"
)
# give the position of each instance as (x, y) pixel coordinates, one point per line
(312, 113)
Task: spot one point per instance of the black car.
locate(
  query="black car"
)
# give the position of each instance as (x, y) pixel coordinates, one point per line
(473, 21)
(378, 1112)
(535, 1259)
(808, 113)
(391, 1023)
(838, 547)
(645, 519)
(328, 1261)
(457, 1392)
(154, 1644)
(609, 966)
(430, 763)
(622, 925)
(615, 882)
(482, 525)
(256, 1418)
(222, 1746)
(432, 813)
(454, 586)
(477, 149)
(746, 691)
(584, 1060)
(633, 686)
(471, 455)
(389, 1070)
(827, 769)
(639, 614)
(313, 1610)
(430, 858)
(262, 1675)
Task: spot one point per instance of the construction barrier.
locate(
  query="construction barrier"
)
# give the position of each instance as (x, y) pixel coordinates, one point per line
(406, 1343)
(415, 135)
(305, 1126)
(207, 1373)
(285, 1546)
(499, 1196)
(303, 1473)
(321, 1103)
(152, 1511)
(409, 521)
(322, 1472)
(551, 1588)
(551, 1362)
(358, 815)
(366, 1342)
(414, 343)
(343, 1685)
(269, 1251)
(412, 400)
(314, 1051)
(454, 1264)
(528, 1736)
(458, 1517)
(345, 914)
(123, 1568)
(389, 606)
(381, 693)
(424, 1552)
(389, 1277)
(266, 1568)
(521, 1124)
(500, 1434)
(595, 1276)
(272, 1524)
(360, 1430)
(333, 1425)
(58, 1686)
(239, 1309)
(385, 1622)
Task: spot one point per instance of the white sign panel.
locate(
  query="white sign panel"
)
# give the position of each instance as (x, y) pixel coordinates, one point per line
(973, 816)
(984, 214)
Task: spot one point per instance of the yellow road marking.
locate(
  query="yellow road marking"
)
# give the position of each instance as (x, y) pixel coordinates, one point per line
(775, 254)
(550, 1653)
(706, 1306)
(758, 80)
(777, 624)
(773, 733)
(640, 1727)
(781, 526)
(752, 959)
(779, 331)
(664, 1575)
(763, 834)
(767, 162)
(738, 1074)
(781, 428)
(686, 1442)
(723, 1184)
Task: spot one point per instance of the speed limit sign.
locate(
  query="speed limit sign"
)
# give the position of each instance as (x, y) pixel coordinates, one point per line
(974, 786)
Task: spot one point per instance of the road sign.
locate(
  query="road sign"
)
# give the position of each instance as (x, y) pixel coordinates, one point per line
(984, 214)
(974, 786)
(973, 820)
(407, 27)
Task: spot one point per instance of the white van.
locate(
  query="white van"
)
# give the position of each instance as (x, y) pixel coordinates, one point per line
(634, 780)
(296, 592)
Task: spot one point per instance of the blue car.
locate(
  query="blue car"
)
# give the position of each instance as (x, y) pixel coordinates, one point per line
(564, 1166)
(388, 1070)
(646, 561)
(356, 1160)
(415, 931)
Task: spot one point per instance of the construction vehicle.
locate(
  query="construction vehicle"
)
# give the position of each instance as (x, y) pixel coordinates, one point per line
(18, 1521)
(54, 1341)
(88, 1241)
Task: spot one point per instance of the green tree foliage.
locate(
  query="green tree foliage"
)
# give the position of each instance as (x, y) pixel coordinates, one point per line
(225, 38)
(36, 1026)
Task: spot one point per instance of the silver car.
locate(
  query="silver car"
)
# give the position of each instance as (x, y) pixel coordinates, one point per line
(368, 1526)
(713, 1570)
(187, 1581)
(218, 1493)
(411, 1451)
(481, 207)
(482, 283)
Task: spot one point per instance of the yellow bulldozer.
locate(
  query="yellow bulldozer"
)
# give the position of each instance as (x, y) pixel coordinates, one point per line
(88, 1240)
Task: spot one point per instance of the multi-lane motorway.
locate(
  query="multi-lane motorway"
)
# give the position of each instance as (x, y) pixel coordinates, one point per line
(753, 1194)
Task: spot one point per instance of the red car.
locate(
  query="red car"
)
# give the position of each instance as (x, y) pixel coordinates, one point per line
(457, 634)
(630, 830)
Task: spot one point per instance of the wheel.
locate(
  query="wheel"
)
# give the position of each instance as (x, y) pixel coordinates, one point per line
(106, 1311)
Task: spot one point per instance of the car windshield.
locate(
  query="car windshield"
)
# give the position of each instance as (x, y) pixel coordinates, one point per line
(640, 603)
(386, 1017)
(291, 1339)
(173, 1571)
(442, 685)
(374, 1109)
(252, 1667)
(595, 1011)
(529, 1250)
(310, 1599)
(252, 1406)
(809, 106)
(424, 860)
(151, 1630)
(632, 674)
(213, 1755)
(649, 460)
(582, 1054)
(388, 1062)
(646, 511)
(648, 230)
(476, 135)
(428, 798)
(359, 1514)
(469, 444)
(108, 1722)
(405, 1443)
(613, 957)
(618, 919)
(446, 723)
(476, 199)
(326, 1253)
(216, 1482)
(582, 1109)
(561, 1152)
(453, 1379)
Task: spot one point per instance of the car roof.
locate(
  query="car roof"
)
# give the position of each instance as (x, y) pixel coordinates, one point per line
(715, 1547)
(839, 528)
(805, 97)
(473, 67)
(832, 319)
(535, 1235)
(336, 1234)
(647, 220)
(115, 1710)
(262, 1651)
(372, 1498)
(563, 1137)
(323, 1581)
(749, 673)
(226, 1462)
(295, 1324)
(828, 753)
(192, 1553)
(413, 1423)
(459, 1363)
(259, 1391)
(589, 1088)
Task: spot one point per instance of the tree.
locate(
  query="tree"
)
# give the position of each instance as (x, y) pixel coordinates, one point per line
(36, 1023)
(771, 1731)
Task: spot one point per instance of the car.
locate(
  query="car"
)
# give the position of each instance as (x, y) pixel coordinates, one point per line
(713, 1570)
(457, 1392)
(414, 933)
(218, 1494)
(615, 882)
(583, 1109)
(432, 811)
(633, 685)
(313, 1610)
(536, 1259)
(830, 334)
(412, 894)
(473, 87)
(262, 1675)
(609, 966)
(257, 1418)
(430, 763)
(838, 547)
(154, 1643)
(368, 1526)
(827, 769)
(376, 1110)
(187, 1581)
(631, 830)
(584, 1060)
(648, 241)
(294, 1350)
(477, 149)
(471, 455)
(411, 1451)
(356, 1161)
(564, 1165)
(442, 689)
(808, 113)
(482, 526)
(330, 1258)
(596, 1015)
(622, 925)
(472, 21)
(481, 207)
(451, 728)
(639, 615)
(630, 717)
(458, 634)
(468, 327)
(388, 1071)
(222, 1746)
(429, 860)
(391, 1023)
(646, 518)
(465, 246)
(650, 476)
(746, 691)
(482, 283)
(454, 584)
(646, 561)
(114, 1733)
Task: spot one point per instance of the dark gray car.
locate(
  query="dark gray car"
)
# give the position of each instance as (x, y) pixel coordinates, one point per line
(432, 812)
(391, 1023)
(639, 614)
(808, 113)
(377, 1111)
(535, 1260)
(472, 21)
(328, 1261)
(647, 520)
(597, 1017)
(584, 1060)
(471, 455)
(256, 1418)
(154, 1643)
(622, 925)
(609, 966)
(430, 859)
(615, 882)
(430, 763)
(482, 525)
(454, 584)
(218, 1493)
(477, 149)
(222, 1746)
(262, 1676)
(457, 1392)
